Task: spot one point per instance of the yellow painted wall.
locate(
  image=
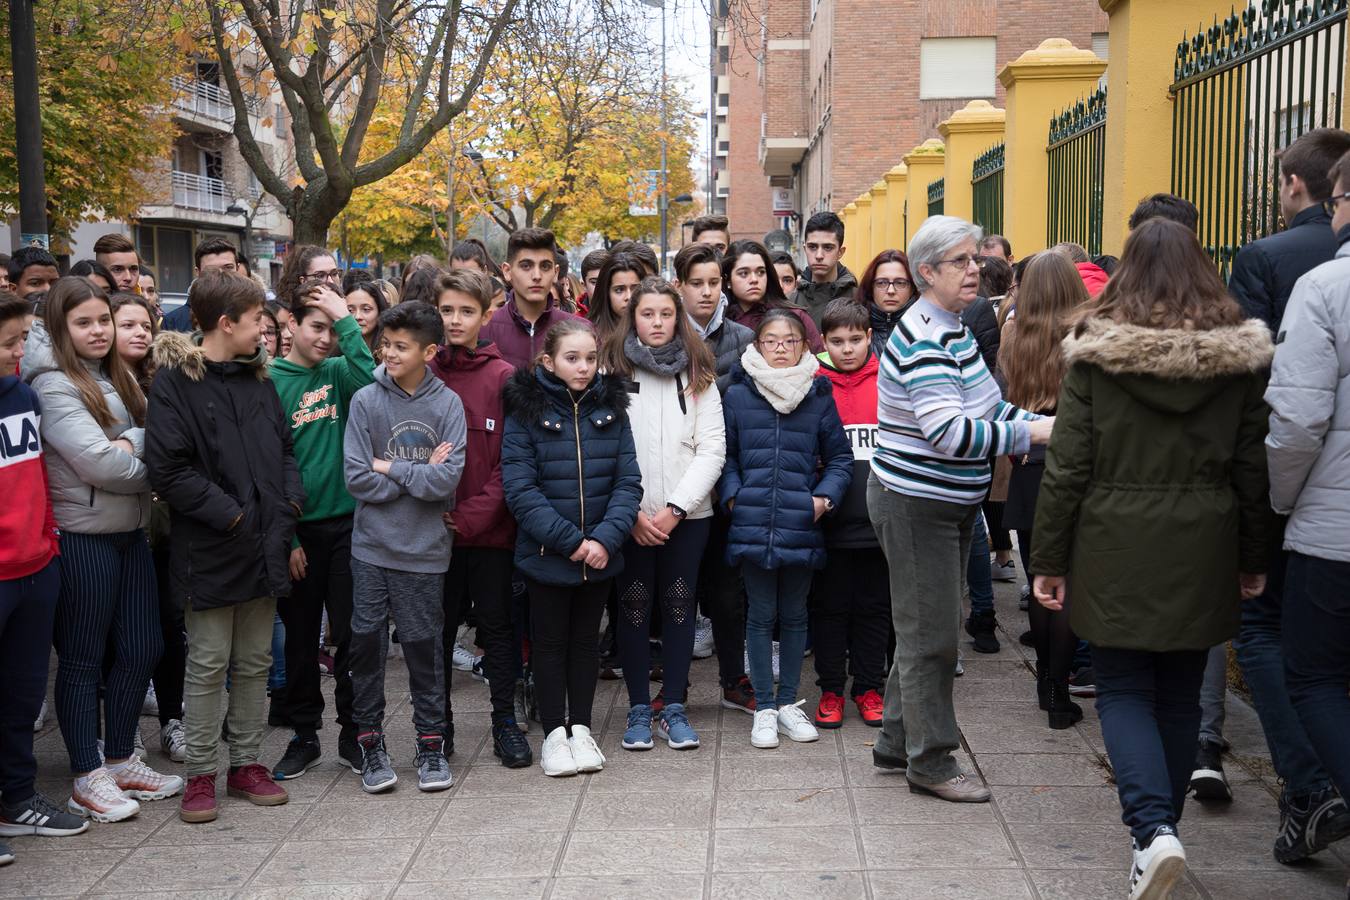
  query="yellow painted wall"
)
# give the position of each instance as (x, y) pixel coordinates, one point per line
(862, 233)
(881, 210)
(849, 215)
(897, 184)
(966, 134)
(924, 163)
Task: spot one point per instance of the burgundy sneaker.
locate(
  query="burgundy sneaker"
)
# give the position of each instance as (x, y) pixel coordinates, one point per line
(199, 799)
(254, 784)
(739, 696)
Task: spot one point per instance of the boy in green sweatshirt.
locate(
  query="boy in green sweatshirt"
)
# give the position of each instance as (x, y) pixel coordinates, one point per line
(316, 390)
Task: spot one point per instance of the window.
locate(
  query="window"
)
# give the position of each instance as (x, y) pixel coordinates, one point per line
(1100, 44)
(956, 67)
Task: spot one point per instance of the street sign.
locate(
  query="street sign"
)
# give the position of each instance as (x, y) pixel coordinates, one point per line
(782, 201)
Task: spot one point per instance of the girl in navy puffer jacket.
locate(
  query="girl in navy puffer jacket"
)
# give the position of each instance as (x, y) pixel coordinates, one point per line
(571, 478)
(788, 464)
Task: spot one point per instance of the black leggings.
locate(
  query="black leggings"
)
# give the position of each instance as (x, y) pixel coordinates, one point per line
(721, 594)
(999, 539)
(668, 573)
(172, 668)
(1051, 635)
(565, 649)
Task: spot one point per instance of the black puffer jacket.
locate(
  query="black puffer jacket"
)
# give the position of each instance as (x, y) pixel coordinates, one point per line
(1265, 271)
(982, 321)
(570, 471)
(219, 453)
(727, 342)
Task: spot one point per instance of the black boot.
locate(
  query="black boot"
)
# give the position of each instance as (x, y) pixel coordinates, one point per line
(1063, 712)
(1042, 687)
(980, 626)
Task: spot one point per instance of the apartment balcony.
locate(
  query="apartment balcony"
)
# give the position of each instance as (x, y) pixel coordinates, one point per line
(200, 192)
(201, 106)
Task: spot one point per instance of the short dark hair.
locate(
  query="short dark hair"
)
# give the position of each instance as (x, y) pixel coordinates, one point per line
(592, 261)
(1166, 206)
(709, 223)
(217, 293)
(212, 246)
(25, 257)
(995, 277)
(421, 320)
(696, 254)
(997, 239)
(845, 312)
(530, 239)
(86, 267)
(11, 307)
(146, 273)
(113, 243)
(780, 315)
(782, 256)
(645, 254)
(1340, 172)
(1311, 158)
(355, 277)
(471, 249)
(474, 284)
(825, 221)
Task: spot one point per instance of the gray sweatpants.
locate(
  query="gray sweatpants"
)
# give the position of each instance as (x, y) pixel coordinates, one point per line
(413, 600)
(927, 544)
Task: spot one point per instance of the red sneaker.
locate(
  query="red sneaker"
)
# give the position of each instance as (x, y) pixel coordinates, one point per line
(740, 696)
(870, 707)
(199, 799)
(830, 712)
(658, 703)
(254, 784)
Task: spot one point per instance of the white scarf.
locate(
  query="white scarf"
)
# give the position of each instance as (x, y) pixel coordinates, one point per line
(783, 388)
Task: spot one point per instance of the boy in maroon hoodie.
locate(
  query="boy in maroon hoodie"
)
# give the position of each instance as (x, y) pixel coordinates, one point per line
(485, 533)
(530, 270)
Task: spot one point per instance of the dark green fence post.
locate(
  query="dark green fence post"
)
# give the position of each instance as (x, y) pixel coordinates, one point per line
(937, 191)
(986, 188)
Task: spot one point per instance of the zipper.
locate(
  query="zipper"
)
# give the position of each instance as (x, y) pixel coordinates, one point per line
(777, 450)
(581, 481)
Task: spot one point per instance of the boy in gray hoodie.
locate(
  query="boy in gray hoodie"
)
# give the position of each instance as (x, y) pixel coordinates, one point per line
(403, 455)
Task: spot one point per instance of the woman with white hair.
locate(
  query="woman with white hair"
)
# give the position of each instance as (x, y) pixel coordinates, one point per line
(942, 419)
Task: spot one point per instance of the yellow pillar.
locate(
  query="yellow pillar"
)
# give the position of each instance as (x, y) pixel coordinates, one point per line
(924, 163)
(861, 239)
(881, 208)
(1040, 84)
(897, 189)
(967, 133)
(849, 215)
(1143, 46)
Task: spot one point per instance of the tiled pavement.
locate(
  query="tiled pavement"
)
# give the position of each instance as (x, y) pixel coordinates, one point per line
(724, 821)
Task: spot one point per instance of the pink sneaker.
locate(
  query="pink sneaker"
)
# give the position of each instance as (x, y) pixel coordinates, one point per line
(140, 782)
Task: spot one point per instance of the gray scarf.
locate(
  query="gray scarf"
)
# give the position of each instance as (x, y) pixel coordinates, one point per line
(669, 360)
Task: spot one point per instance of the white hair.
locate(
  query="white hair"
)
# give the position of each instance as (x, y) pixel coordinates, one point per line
(936, 236)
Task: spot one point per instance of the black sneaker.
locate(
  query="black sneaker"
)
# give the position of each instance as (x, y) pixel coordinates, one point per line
(1025, 639)
(980, 626)
(377, 772)
(510, 746)
(349, 751)
(6, 854)
(1310, 824)
(302, 754)
(1083, 683)
(433, 769)
(1208, 782)
(38, 815)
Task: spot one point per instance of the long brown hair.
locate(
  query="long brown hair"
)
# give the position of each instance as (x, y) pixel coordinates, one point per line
(1164, 280)
(65, 295)
(702, 366)
(143, 371)
(1030, 356)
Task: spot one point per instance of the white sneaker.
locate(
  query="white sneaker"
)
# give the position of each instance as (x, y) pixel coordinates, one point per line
(42, 717)
(794, 723)
(173, 740)
(1158, 867)
(462, 659)
(556, 755)
(140, 782)
(150, 706)
(703, 638)
(764, 731)
(585, 751)
(96, 796)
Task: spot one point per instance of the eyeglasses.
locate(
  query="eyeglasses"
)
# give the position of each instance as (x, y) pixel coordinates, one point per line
(785, 344)
(1334, 201)
(964, 261)
(886, 285)
(330, 275)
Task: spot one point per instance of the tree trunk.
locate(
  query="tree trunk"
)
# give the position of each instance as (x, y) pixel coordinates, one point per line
(319, 205)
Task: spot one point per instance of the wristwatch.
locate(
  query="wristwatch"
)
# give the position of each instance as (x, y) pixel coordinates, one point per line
(829, 504)
(676, 511)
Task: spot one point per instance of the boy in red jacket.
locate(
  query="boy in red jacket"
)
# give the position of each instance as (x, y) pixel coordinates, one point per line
(30, 579)
(485, 533)
(851, 613)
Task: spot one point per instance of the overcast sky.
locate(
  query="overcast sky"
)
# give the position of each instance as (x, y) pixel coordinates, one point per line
(687, 63)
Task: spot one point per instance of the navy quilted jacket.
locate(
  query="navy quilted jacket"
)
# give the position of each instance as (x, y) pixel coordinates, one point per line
(569, 471)
(775, 464)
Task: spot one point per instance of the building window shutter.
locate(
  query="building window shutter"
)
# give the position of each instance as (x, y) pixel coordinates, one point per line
(956, 67)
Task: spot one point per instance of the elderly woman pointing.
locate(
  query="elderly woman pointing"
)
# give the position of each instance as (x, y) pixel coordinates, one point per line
(942, 420)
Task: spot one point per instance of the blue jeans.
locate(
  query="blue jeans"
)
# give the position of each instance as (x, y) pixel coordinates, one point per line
(776, 595)
(276, 675)
(1259, 653)
(979, 574)
(1149, 705)
(1317, 666)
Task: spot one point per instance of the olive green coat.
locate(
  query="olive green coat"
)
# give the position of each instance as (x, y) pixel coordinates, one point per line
(1155, 493)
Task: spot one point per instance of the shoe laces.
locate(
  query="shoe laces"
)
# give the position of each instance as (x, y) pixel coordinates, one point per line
(674, 716)
(136, 767)
(101, 786)
(510, 736)
(198, 786)
(871, 702)
(640, 716)
(253, 773)
(586, 742)
(793, 713)
(831, 702)
(431, 745)
(44, 807)
(766, 718)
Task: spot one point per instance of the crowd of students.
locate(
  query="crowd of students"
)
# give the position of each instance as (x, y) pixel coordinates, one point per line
(208, 500)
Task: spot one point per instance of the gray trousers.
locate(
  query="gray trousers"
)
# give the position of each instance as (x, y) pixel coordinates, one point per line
(413, 601)
(927, 543)
(1213, 695)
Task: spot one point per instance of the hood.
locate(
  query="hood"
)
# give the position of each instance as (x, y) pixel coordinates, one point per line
(1094, 277)
(37, 352)
(461, 359)
(843, 280)
(531, 393)
(848, 379)
(1171, 369)
(430, 384)
(176, 350)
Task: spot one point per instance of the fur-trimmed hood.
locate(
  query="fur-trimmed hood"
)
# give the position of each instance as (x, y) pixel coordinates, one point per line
(1171, 368)
(176, 350)
(533, 393)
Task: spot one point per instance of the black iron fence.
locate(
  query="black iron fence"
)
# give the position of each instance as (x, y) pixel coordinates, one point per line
(1076, 156)
(1243, 90)
(937, 190)
(986, 188)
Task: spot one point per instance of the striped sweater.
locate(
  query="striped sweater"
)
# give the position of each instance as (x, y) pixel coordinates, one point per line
(941, 415)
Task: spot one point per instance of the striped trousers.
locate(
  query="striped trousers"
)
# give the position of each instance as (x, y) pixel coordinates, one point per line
(109, 603)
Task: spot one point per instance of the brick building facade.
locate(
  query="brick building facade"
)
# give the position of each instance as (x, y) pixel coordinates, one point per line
(822, 97)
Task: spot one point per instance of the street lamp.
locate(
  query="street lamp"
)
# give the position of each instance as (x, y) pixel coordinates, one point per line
(241, 207)
(663, 204)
